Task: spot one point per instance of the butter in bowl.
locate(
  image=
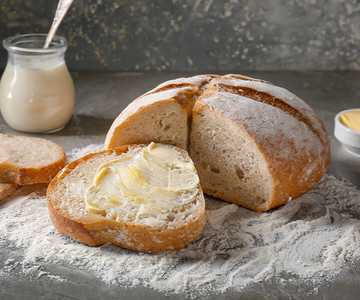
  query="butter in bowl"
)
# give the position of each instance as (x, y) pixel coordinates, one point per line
(347, 130)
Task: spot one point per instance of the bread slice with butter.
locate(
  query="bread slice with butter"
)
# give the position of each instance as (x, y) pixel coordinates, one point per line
(28, 160)
(141, 197)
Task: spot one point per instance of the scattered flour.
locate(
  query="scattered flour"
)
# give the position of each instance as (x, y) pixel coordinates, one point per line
(310, 238)
(80, 152)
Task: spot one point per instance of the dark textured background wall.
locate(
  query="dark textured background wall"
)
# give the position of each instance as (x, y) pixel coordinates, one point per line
(197, 34)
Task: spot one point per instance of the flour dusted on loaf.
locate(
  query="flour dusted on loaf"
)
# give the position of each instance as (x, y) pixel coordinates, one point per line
(254, 144)
(298, 250)
(275, 96)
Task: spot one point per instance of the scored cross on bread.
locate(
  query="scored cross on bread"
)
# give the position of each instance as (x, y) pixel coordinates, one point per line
(253, 143)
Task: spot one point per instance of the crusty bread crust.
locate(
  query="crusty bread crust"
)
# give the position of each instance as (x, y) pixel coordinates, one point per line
(68, 227)
(95, 230)
(295, 163)
(12, 171)
(6, 189)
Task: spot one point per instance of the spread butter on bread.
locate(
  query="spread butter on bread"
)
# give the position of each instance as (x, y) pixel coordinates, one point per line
(141, 197)
(28, 160)
(253, 143)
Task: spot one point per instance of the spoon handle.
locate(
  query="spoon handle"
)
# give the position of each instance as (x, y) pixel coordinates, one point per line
(61, 10)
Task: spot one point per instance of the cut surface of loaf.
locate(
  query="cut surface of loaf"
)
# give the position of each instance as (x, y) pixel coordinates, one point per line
(253, 143)
(28, 160)
(130, 196)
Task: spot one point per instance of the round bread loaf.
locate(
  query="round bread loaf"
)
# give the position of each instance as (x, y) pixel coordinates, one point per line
(253, 143)
(122, 224)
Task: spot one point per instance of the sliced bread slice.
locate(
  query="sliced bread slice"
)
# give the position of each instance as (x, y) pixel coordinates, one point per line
(28, 160)
(6, 189)
(144, 198)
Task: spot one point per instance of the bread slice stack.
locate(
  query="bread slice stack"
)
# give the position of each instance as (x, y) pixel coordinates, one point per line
(26, 161)
(141, 197)
(7, 189)
(253, 143)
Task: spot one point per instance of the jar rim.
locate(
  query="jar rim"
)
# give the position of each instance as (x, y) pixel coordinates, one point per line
(29, 44)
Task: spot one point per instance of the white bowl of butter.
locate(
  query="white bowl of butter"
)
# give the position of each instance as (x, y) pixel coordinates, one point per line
(347, 130)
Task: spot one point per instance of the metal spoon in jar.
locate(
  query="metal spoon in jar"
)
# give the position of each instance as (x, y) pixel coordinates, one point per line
(61, 10)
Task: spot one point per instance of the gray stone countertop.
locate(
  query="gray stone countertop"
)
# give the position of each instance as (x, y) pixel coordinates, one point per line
(101, 96)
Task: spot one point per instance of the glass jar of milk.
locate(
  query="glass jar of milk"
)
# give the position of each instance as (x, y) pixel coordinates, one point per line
(36, 90)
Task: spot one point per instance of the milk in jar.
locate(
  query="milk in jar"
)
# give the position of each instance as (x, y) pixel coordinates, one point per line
(36, 90)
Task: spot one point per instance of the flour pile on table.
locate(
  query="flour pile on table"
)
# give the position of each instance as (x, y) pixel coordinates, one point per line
(310, 238)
